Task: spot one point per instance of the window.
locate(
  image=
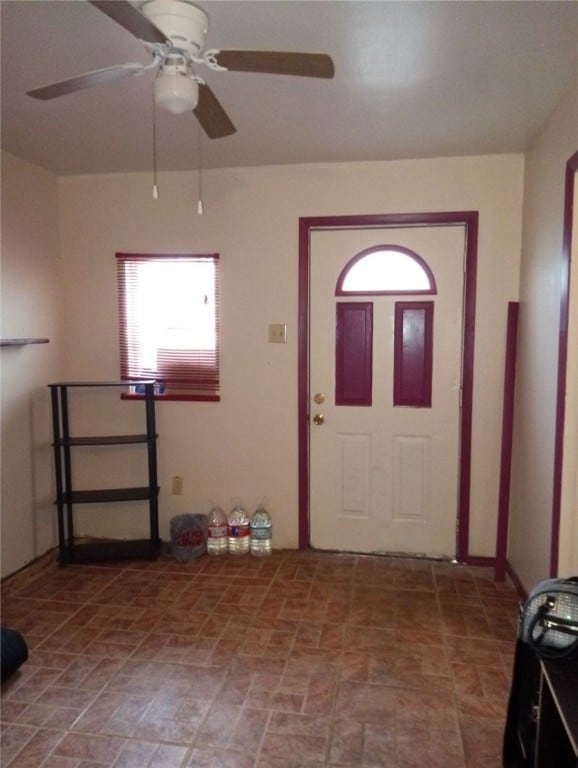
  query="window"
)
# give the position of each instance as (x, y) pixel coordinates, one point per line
(169, 323)
(385, 269)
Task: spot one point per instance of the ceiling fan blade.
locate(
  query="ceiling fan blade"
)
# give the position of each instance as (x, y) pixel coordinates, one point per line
(211, 115)
(131, 19)
(99, 76)
(277, 62)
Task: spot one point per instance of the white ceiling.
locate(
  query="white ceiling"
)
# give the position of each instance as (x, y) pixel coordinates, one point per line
(413, 79)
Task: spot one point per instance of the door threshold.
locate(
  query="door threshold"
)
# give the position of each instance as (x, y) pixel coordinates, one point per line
(391, 555)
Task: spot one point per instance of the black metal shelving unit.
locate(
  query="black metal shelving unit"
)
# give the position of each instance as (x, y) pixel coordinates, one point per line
(70, 549)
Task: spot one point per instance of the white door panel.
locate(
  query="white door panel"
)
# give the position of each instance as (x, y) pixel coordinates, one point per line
(385, 478)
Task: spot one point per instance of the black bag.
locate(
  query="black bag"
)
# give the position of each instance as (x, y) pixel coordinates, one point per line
(549, 618)
(14, 651)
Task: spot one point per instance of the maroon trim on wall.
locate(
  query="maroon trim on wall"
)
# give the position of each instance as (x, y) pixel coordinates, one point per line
(463, 535)
(303, 383)
(571, 168)
(413, 353)
(507, 431)
(353, 353)
(468, 219)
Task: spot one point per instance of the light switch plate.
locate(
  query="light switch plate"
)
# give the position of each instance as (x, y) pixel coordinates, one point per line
(278, 333)
(177, 489)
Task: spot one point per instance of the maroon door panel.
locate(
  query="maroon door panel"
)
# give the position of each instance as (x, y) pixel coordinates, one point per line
(413, 353)
(354, 353)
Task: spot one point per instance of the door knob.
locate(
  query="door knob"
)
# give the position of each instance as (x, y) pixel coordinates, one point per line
(319, 398)
(318, 419)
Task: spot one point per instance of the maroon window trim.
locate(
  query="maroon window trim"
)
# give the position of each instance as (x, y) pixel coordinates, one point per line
(353, 353)
(375, 248)
(413, 354)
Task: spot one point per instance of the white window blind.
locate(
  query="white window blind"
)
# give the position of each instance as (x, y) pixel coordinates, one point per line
(169, 322)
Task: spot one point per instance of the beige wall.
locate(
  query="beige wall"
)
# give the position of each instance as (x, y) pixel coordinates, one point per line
(30, 308)
(532, 477)
(246, 445)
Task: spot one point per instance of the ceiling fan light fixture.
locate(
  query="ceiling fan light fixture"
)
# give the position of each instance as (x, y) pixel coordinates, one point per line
(176, 93)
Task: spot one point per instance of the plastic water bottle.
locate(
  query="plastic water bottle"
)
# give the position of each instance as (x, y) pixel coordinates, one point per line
(217, 530)
(261, 530)
(238, 533)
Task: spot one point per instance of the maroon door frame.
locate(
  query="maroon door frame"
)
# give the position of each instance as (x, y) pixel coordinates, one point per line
(467, 219)
(571, 169)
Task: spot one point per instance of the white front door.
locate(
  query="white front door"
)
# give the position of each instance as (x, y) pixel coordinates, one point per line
(384, 476)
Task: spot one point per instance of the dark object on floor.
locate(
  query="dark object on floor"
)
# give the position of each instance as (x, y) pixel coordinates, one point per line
(14, 651)
(520, 732)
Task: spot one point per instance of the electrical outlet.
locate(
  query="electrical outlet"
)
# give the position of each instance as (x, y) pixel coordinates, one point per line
(177, 485)
(278, 333)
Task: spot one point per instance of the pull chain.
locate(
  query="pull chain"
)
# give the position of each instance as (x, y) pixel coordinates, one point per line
(200, 209)
(155, 188)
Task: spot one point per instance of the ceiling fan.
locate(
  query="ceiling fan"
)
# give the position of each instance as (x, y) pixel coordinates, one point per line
(174, 32)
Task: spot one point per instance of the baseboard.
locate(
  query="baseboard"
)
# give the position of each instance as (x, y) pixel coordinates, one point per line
(480, 560)
(33, 567)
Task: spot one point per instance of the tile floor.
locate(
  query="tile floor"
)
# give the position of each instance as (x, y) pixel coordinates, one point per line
(299, 659)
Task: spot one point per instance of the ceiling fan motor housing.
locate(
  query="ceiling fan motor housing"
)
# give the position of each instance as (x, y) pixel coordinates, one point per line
(184, 23)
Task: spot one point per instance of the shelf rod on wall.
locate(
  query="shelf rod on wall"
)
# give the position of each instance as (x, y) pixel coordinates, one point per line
(21, 342)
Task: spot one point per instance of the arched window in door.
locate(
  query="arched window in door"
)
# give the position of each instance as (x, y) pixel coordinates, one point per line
(385, 269)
